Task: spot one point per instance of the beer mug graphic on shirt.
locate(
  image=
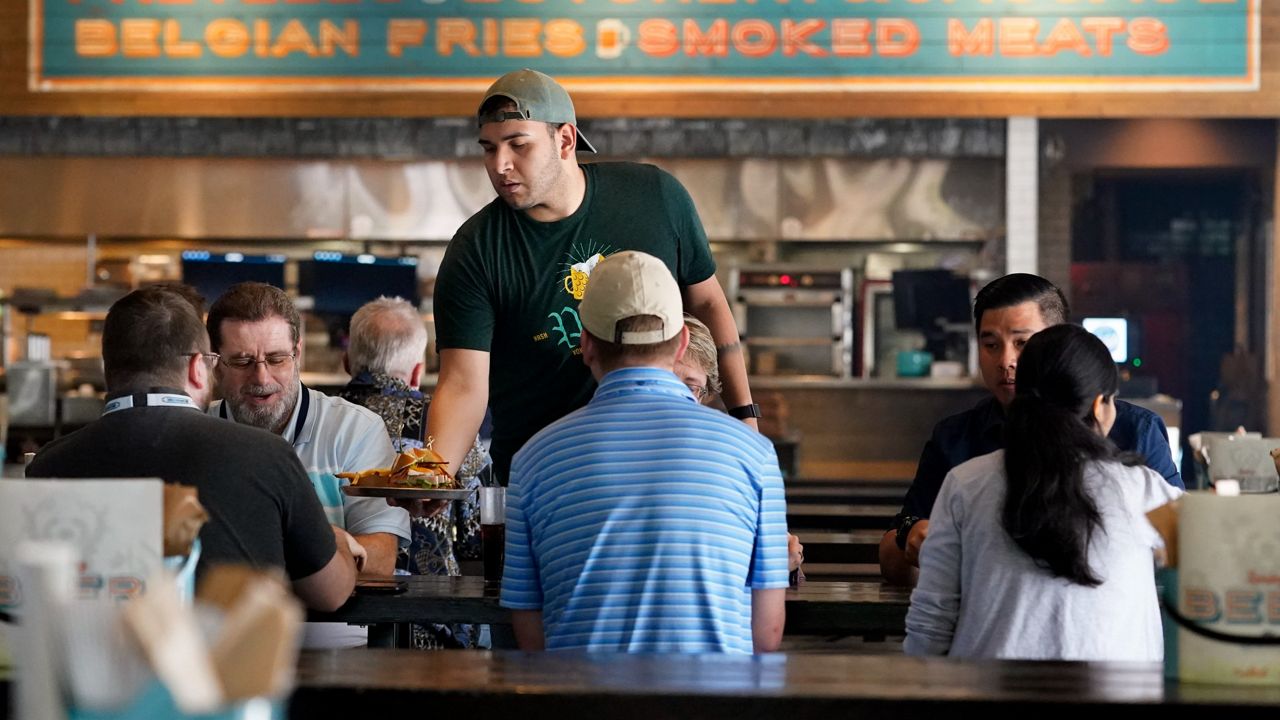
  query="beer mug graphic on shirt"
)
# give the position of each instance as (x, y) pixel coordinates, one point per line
(579, 273)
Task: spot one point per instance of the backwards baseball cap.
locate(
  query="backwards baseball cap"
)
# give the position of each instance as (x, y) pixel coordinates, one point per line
(627, 284)
(537, 97)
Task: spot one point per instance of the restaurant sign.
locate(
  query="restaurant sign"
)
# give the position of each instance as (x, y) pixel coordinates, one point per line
(680, 45)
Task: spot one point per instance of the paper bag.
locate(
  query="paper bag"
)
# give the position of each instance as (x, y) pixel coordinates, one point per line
(112, 525)
(1227, 582)
(1245, 459)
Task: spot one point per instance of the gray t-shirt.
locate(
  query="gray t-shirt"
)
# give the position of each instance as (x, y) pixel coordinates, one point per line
(980, 595)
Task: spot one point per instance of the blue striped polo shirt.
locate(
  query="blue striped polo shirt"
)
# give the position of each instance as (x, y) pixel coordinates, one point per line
(636, 523)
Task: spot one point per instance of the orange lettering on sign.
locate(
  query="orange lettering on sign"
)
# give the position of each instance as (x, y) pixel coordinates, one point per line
(489, 36)
(795, 37)
(658, 38)
(1065, 36)
(1018, 36)
(294, 38)
(261, 38)
(851, 37)
(981, 41)
(175, 46)
(564, 38)
(227, 38)
(520, 37)
(1102, 29)
(96, 38)
(402, 33)
(140, 38)
(754, 38)
(347, 37)
(712, 43)
(896, 37)
(455, 31)
(1148, 36)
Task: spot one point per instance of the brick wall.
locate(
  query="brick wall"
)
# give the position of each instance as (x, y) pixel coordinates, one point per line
(408, 138)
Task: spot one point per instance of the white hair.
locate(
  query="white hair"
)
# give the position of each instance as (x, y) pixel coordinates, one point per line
(387, 336)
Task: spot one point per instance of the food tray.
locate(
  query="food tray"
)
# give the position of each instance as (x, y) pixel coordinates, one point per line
(407, 493)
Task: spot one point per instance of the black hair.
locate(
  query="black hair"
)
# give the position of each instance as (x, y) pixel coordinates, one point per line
(1050, 435)
(190, 294)
(1017, 288)
(145, 337)
(502, 103)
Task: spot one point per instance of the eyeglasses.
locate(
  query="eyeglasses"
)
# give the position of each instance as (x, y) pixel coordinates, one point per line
(273, 360)
(210, 358)
(699, 391)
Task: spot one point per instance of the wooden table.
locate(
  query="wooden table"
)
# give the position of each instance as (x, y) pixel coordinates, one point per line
(846, 494)
(829, 516)
(815, 608)
(399, 683)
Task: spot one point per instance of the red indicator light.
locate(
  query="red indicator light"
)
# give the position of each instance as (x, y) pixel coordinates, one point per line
(785, 279)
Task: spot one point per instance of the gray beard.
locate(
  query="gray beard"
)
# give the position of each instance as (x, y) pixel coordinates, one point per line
(271, 418)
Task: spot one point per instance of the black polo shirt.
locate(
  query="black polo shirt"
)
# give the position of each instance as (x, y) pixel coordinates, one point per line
(262, 508)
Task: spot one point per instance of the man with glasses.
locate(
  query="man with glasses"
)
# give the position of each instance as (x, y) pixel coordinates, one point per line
(256, 330)
(386, 352)
(261, 507)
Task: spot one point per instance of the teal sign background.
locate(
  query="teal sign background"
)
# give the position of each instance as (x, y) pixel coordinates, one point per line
(860, 44)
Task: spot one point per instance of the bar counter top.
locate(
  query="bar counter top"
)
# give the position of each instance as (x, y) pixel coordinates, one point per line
(378, 683)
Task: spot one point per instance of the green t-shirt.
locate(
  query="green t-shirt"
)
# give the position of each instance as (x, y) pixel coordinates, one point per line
(511, 286)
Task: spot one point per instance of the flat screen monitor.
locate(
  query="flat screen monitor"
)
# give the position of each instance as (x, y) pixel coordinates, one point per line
(1113, 332)
(340, 283)
(926, 300)
(212, 274)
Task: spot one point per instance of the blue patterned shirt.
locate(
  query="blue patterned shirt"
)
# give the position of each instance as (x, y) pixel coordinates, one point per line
(636, 523)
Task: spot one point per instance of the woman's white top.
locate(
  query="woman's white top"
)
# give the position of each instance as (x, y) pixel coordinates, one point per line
(980, 595)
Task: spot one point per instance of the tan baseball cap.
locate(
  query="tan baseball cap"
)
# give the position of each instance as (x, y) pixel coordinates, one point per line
(627, 284)
(537, 97)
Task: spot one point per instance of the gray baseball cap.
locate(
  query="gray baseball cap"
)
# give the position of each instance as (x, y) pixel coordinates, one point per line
(537, 97)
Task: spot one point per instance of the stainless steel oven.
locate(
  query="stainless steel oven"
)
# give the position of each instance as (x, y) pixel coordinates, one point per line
(795, 321)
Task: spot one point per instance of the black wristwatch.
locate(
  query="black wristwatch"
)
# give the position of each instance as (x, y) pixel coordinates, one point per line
(904, 530)
(742, 412)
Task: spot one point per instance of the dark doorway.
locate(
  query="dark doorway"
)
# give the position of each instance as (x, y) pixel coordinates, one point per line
(1180, 255)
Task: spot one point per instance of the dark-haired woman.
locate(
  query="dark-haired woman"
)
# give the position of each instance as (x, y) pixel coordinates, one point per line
(1043, 550)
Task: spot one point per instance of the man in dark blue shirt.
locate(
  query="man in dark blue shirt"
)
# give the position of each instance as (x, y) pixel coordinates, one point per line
(1006, 313)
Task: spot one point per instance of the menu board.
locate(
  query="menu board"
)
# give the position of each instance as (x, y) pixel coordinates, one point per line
(664, 45)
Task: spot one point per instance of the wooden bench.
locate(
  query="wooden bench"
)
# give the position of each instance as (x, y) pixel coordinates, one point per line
(839, 516)
(855, 546)
(846, 494)
(815, 608)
